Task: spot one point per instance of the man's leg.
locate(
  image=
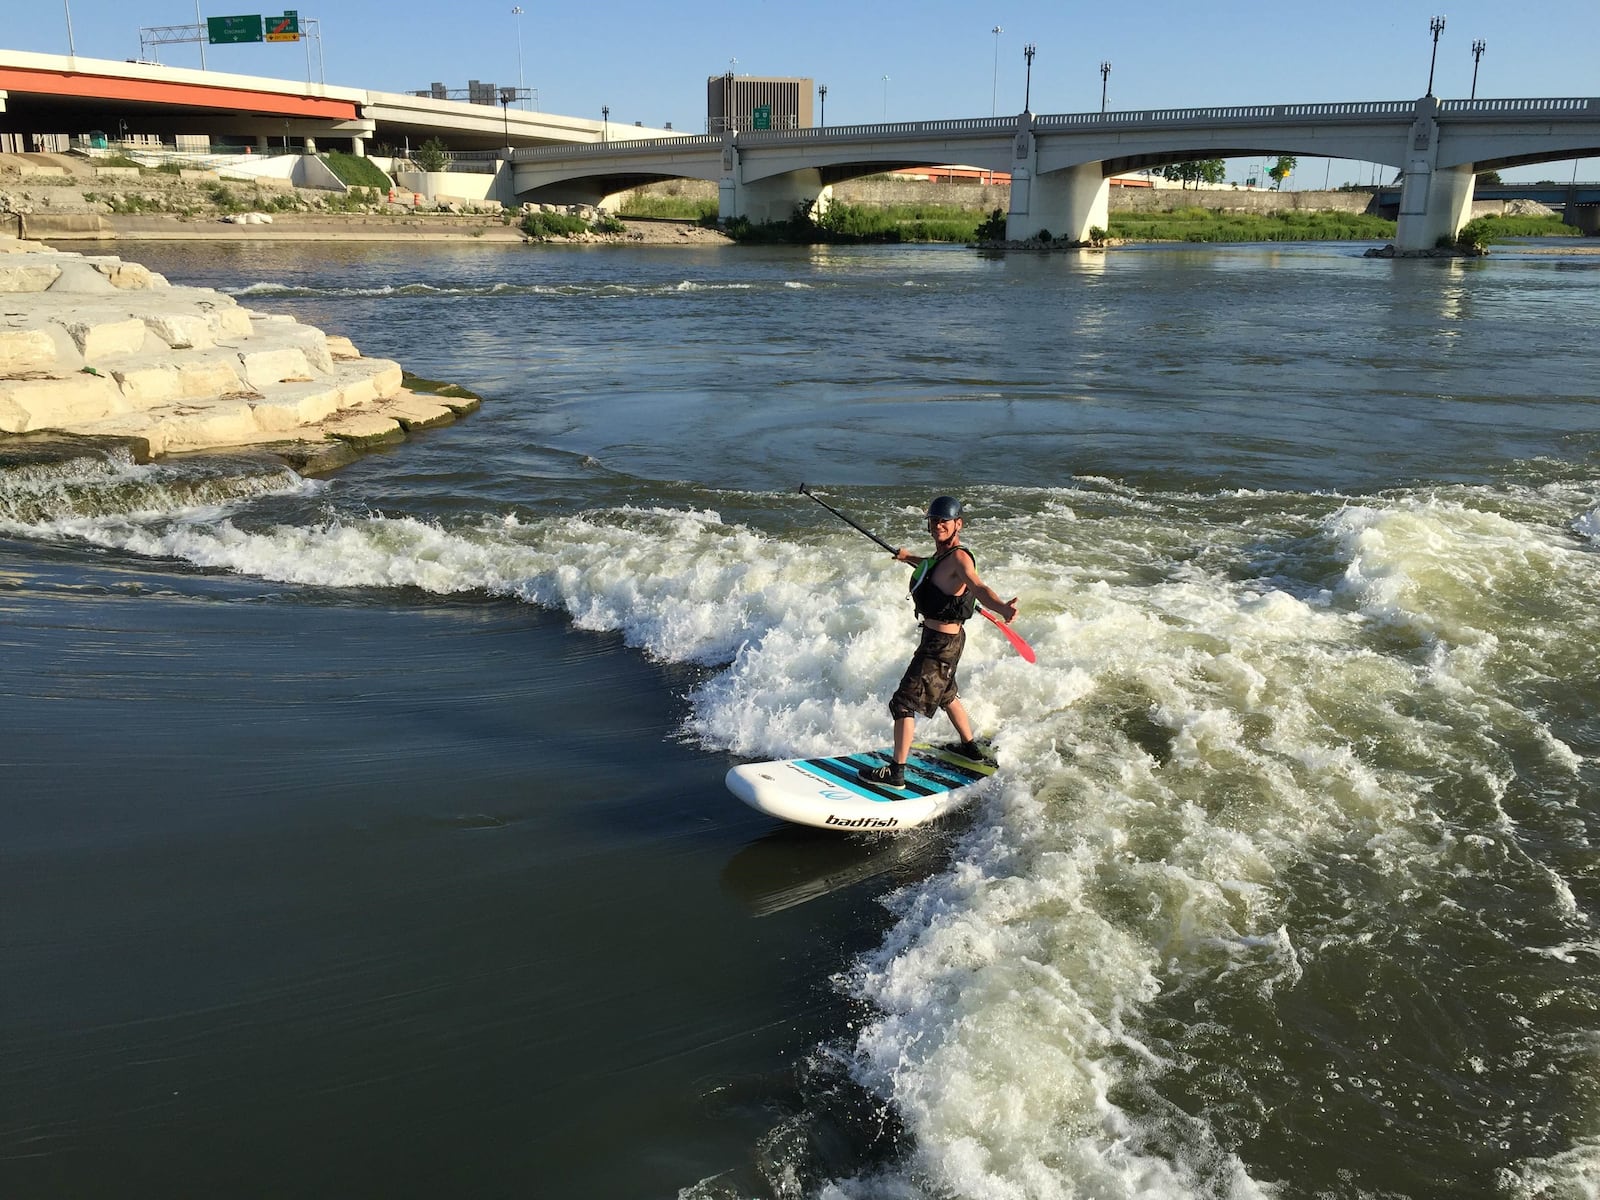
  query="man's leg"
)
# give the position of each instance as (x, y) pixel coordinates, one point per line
(958, 717)
(904, 728)
(969, 747)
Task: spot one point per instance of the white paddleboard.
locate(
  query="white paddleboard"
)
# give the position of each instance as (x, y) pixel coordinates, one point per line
(827, 794)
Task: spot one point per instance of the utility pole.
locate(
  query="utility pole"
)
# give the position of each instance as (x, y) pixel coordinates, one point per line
(1028, 52)
(1478, 47)
(822, 91)
(1105, 73)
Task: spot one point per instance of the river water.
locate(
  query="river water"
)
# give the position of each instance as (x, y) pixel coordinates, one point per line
(366, 835)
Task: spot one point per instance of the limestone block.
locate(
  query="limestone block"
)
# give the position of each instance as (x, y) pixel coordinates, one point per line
(415, 412)
(24, 350)
(137, 424)
(127, 276)
(207, 424)
(150, 384)
(281, 365)
(57, 403)
(100, 340)
(365, 429)
(311, 342)
(20, 276)
(80, 278)
(292, 405)
(341, 348)
(228, 321)
(182, 331)
(365, 381)
(216, 375)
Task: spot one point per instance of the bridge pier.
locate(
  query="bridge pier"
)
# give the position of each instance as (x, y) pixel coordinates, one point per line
(1435, 201)
(773, 198)
(1065, 203)
(1585, 217)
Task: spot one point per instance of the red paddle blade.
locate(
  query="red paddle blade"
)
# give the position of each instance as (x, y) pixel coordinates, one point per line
(1012, 636)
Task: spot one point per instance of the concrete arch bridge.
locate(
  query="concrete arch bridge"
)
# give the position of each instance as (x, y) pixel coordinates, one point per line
(1061, 165)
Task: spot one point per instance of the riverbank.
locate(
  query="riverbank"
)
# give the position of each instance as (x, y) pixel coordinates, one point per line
(95, 347)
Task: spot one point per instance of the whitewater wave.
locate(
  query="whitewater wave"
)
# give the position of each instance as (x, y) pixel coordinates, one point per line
(1261, 726)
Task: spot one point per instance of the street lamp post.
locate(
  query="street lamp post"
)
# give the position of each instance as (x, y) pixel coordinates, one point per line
(822, 91)
(605, 119)
(1436, 27)
(994, 87)
(507, 95)
(1028, 52)
(1105, 73)
(522, 84)
(886, 98)
(72, 46)
(1478, 47)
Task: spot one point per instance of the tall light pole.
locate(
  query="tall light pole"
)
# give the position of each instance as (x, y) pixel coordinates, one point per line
(507, 95)
(822, 91)
(72, 46)
(1478, 47)
(200, 28)
(994, 88)
(605, 118)
(886, 98)
(1105, 74)
(1436, 27)
(522, 86)
(1028, 52)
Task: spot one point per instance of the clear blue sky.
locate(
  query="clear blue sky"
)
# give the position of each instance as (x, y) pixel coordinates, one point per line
(649, 61)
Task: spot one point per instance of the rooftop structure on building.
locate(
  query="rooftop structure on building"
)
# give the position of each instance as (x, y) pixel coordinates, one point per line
(743, 102)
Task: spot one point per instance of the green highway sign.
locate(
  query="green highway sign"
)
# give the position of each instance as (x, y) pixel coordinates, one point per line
(285, 28)
(223, 31)
(762, 117)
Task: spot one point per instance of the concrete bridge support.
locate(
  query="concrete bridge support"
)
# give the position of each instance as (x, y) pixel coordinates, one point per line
(1435, 202)
(1582, 216)
(774, 198)
(1065, 203)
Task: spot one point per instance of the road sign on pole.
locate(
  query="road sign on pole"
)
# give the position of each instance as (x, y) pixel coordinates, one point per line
(283, 29)
(223, 31)
(761, 118)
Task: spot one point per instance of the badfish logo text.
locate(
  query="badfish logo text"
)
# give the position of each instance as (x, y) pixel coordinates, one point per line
(862, 822)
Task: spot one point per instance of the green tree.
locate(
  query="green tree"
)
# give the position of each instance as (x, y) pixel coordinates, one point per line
(1281, 170)
(430, 156)
(1196, 171)
(1488, 179)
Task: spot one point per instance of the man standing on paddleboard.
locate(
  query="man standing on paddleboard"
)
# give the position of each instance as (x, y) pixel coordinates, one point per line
(946, 590)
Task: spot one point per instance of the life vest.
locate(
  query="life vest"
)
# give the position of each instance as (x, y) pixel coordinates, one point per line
(932, 601)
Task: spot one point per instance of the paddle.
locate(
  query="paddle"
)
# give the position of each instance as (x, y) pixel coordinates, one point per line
(1020, 646)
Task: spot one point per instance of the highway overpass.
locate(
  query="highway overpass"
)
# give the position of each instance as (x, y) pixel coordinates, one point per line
(55, 94)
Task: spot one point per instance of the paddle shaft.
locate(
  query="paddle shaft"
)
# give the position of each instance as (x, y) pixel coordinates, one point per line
(858, 528)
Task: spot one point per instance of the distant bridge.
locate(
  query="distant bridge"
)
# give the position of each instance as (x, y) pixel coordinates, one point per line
(1060, 165)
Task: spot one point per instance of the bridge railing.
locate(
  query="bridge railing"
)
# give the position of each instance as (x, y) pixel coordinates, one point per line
(1570, 106)
(884, 129)
(1255, 114)
(688, 141)
(1355, 111)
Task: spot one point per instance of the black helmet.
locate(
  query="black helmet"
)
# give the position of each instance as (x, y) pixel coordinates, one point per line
(944, 508)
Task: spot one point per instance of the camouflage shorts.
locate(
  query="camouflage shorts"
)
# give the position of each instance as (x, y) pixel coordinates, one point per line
(929, 683)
